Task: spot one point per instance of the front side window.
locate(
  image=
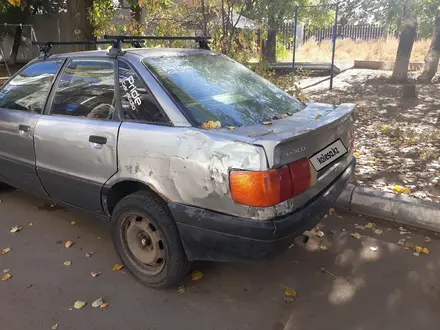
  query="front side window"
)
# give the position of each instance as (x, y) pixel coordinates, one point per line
(28, 90)
(86, 89)
(137, 102)
(214, 87)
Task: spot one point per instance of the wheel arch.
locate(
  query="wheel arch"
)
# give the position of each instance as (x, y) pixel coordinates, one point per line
(113, 192)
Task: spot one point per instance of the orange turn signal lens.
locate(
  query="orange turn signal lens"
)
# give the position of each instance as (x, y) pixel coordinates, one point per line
(261, 188)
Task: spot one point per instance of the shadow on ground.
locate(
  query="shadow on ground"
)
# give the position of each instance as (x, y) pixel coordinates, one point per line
(361, 289)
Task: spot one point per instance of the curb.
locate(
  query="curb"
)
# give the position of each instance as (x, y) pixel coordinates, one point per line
(388, 206)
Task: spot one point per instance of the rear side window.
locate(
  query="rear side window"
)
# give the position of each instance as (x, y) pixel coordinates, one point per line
(86, 89)
(28, 91)
(137, 102)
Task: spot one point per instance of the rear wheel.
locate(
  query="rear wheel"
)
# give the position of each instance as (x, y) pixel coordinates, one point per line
(147, 240)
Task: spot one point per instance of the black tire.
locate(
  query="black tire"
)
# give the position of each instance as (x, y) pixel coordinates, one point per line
(154, 210)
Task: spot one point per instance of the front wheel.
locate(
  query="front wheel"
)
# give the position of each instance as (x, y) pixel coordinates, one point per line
(147, 240)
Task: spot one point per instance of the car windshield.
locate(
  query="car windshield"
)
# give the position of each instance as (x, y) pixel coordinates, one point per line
(214, 87)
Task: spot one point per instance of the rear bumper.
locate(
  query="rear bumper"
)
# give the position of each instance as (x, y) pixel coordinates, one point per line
(207, 235)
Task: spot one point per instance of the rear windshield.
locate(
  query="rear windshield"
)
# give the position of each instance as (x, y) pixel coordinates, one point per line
(214, 87)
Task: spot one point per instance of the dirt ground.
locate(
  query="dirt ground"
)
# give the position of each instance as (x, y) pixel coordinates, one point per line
(397, 139)
(370, 283)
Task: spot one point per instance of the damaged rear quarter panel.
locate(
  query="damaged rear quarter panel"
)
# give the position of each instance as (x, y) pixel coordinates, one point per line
(187, 165)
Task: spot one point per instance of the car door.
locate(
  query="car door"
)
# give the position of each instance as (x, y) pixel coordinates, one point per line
(76, 139)
(22, 101)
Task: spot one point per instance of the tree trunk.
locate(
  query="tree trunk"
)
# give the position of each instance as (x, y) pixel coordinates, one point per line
(433, 56)
(15, 46)
(82, 29)
(406, 42)
(271, 46)
(136, 14)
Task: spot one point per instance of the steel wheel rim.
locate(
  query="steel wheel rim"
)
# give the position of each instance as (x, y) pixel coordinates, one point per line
(144, 243)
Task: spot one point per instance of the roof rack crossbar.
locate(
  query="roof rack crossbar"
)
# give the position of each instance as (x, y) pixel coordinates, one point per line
(45, 46)
(203, 41)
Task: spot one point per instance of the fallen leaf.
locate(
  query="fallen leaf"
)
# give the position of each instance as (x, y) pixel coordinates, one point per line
(181, 289)
(418, 248)
(89, 254)
(6, 277)
(359, 226)
(374, 248)
(402, 189)
(332, 232)
(69, 244)
(288, 299)
(210, 124)
(356, 154)
(117, 267)
(7, 270)
(370, 225)
(284, 115)
(30, 224)
(427, 239)
(196, 275)
(231, 128)
(323, 248)
(401, 241)
(318, 116)
(73, 222)
(425, 250)
(5, 251)
(378, 231)
(104, 305)
(291, 246)
(67, 263)
(319, 233)
(416, 254)
(55, 326)
(15, 229)
(267, 123)
(356, 235)
(95, 273)
(79, 304)
(331, 210)
(289, 292)
(323, 270)
(98, 302)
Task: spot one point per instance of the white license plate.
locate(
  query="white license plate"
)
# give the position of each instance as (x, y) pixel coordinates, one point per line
(328, 155)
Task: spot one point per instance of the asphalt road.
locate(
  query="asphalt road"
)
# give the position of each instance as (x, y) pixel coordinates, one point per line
(387, 289)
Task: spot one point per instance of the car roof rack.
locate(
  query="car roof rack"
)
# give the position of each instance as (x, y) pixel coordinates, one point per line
(116, 42)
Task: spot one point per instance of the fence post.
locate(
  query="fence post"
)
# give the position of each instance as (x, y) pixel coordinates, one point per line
(335, 31)
(294, 38)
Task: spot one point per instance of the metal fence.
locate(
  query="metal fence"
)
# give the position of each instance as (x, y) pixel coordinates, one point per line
(356, 32)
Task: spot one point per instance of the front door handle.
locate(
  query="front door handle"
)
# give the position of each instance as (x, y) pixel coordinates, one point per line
(97, 139)
(24, 128)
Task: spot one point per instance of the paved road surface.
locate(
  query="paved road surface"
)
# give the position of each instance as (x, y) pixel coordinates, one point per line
(388, 289)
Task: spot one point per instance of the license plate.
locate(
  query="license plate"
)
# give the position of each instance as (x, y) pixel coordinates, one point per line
(328, 155)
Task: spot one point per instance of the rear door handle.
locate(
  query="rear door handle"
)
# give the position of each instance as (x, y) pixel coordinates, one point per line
(97, 139)
(24, 128)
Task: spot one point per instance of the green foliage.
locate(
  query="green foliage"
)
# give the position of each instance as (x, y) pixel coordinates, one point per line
(100, 15)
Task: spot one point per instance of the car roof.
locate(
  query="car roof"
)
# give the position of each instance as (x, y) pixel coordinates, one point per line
(141, 52)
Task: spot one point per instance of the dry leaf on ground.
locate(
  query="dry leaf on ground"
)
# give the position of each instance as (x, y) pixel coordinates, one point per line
(79, 304)
(427, 239)
(69, 244)
(67, 263)
(416, 254)
(356, 235)
(6, 277)
(196, 275)
(73, 222)
(15, 229)
(323, 248)
(7, 270)
(425, 250)
(374, 248)
(267, 123)
(30, 224)
(319, 233)
(289, 292)
(181, 289)
(5, 251)
(95, 273)
(378, 231)
(55, 326)
(291, 246)
(98, 302)
(401, 189)
(89, 254)
(117, 267)
(331, 210)
(370, 225)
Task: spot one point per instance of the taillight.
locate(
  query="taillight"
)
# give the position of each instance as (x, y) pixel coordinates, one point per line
(301, 176)
(268, 188)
